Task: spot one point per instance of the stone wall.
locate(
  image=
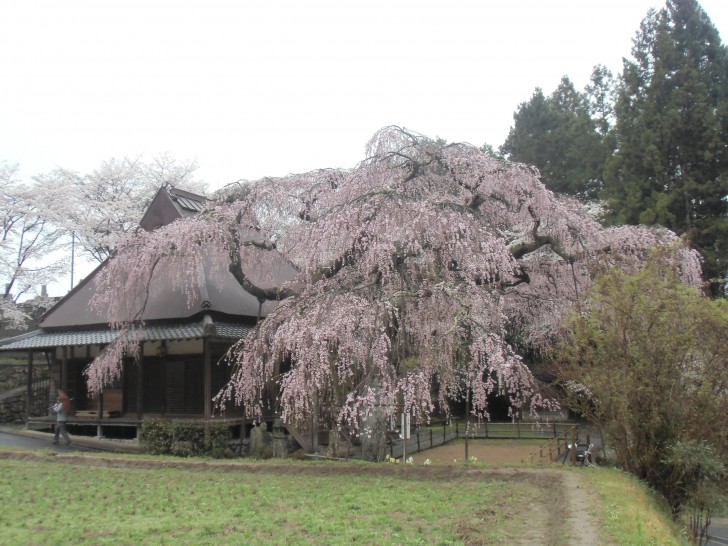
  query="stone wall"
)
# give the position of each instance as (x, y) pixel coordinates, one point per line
(12, 409)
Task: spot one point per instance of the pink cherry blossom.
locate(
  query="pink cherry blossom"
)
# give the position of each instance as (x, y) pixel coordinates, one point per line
(422, 275)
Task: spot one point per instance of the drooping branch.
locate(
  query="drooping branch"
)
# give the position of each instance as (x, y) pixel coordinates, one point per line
(236, 269)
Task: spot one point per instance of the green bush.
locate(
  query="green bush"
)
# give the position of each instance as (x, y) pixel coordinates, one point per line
(645, 359)
(156, 437)
(181, 439)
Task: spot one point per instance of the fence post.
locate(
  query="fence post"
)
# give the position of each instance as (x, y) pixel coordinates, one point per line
(418, 441)
(430, 437)
(555, 435)
(518, 428)
(486, 430)
(457, 430)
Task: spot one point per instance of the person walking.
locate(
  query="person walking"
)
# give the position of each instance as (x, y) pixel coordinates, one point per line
(61, 408)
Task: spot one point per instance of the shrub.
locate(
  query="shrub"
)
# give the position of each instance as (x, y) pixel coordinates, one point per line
(645, 359)
(164, 437)
(156, 437)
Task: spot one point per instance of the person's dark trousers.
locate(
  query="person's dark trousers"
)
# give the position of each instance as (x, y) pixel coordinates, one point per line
(61, 429)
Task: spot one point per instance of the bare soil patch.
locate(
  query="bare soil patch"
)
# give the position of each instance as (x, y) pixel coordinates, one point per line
(491, 452)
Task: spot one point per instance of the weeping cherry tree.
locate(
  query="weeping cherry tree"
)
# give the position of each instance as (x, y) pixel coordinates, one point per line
(422, 276)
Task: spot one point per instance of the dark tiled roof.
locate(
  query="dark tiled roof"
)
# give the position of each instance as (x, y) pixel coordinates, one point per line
(190, 204)
(45, 340)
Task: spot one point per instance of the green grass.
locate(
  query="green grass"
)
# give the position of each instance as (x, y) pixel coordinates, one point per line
(83, 499)
(64, 504)
(631, 513)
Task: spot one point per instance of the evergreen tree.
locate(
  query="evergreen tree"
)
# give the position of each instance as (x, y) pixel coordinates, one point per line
(600, 95)
(557, 135)
(671, 161)
(525, 143)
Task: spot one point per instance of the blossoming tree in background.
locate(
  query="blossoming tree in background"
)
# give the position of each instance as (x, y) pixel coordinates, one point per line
(28, 247)
(423, 275)
(100, 206)
(37, 219)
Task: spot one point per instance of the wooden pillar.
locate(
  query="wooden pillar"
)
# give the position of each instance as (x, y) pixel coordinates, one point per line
(207, 379)
(64, 370)
(29, 389)
(124, 386)
(140, 382)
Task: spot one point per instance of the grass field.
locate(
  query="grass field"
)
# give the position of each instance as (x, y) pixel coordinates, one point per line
(104, 499)
(65, 504)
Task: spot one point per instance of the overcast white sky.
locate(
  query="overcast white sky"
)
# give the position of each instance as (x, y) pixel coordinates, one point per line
(261, 88)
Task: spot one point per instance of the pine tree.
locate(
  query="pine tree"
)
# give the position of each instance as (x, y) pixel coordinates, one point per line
(671, 161)
(557, 135)
(525, 143)
(600, 96)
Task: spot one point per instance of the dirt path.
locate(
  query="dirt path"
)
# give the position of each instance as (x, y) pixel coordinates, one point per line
(562, 515)
(584, 526)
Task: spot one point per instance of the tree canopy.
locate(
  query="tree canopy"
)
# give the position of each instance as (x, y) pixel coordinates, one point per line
(653, 145)
(423, 274)
(558, 135)
(28, 245)
(39, 216)
(100, 206)
(671, 161)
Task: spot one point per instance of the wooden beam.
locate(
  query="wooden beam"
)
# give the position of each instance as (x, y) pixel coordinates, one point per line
(124, 386)
(139, 385)
(29, 389)
(207, 379)
(64, 370)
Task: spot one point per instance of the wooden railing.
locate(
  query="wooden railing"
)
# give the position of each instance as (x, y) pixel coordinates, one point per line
(553, 449)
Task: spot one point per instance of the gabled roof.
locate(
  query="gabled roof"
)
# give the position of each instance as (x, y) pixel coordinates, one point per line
(220, 294)
(169, 205)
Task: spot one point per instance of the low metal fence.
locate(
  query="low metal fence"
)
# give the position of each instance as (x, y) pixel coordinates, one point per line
(436, 435)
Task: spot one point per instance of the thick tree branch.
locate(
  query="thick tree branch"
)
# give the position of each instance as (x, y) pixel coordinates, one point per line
(539, 241)
(236, 269)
